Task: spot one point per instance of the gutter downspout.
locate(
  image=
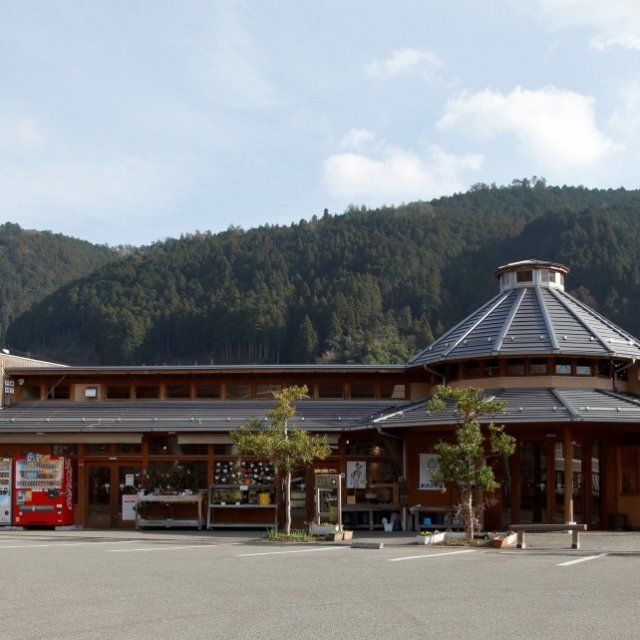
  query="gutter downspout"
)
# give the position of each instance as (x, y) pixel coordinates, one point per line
(436, 373)
(619, 370)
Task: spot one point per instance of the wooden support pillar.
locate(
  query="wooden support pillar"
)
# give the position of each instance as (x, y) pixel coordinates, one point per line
(567, 451)
(516, 483)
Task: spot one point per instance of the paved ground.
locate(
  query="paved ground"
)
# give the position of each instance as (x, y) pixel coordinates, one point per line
(600, 541)
(103, 585)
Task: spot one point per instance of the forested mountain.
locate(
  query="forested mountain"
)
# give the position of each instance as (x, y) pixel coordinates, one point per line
(34, 264)
(364, 286)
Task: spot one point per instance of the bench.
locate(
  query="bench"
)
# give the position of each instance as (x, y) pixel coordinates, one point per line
(438, 517)
(575, 529)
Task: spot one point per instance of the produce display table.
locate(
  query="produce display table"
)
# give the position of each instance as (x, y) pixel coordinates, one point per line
(171, 511)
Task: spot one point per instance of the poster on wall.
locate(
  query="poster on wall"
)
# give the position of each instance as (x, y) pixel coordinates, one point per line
(356, 475)
(129, 503)
(428, 466)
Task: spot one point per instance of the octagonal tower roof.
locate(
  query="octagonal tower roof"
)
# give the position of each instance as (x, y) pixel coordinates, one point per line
(532, 315)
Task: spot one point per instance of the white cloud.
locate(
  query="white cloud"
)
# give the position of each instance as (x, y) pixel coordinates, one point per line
(614, 22)
(555, 126)
(21, 135)
(25, 133)
(356, 138)
(404, 61)
(625, 120)
(397, 174)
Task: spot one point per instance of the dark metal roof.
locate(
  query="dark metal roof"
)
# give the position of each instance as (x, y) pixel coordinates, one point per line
(537, 405)
(187, 416)
(15, 370)
(531, 320)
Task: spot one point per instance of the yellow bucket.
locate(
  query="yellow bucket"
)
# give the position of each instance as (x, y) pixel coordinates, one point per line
(264, 498)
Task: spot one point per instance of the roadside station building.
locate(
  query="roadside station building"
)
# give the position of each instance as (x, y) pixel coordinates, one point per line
(569, 377)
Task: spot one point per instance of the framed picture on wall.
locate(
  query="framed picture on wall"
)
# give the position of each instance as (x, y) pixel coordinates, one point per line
(356, 475)
(428, 466)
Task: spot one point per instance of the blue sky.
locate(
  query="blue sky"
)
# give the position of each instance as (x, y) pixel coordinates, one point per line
(127, 122)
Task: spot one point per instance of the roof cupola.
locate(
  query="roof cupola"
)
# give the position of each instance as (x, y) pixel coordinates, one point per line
(531, 316)
(531, 272)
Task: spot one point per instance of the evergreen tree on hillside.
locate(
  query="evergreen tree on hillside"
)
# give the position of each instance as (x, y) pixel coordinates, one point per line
(365, 286)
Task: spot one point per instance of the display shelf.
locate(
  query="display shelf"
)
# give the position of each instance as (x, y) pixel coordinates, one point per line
(246, 472)
(427, 518)
(367, 515)
(168, 511)
(242, 505)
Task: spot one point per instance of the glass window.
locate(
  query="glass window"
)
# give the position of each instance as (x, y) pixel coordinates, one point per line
(473, 369)
(526, 275)
(629, 470)
(515, 367)
(491, 368)
(194, 449)
(363, 390)
(266, 391)
(59, 392)
(173, 476)
(97, 447)
(31, 392)
(65, 450)
(223, 450)
(604, 368)
(538, 367)
(129, 447)
(118, 392)
(208, 390)
(381, 472)
(583, 368)
(330, 391)
(239, 391)
(366, 448)
(147, 392)
(563, 367)
(195, 475)
(163, 445)
(452, 372)
(390, 391)
(547, 276)
(178, 391)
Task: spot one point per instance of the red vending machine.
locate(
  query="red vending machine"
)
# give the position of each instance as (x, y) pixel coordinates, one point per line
(43, 493)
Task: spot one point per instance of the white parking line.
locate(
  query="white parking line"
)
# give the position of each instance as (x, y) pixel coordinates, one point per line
(163, 548)
(276, 553)
(60, 544)
(585, 559)
(430, 555)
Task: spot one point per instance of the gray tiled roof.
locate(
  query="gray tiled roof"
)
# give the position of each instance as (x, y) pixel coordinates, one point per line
(537, 405)
(531, 320)
(187, 416)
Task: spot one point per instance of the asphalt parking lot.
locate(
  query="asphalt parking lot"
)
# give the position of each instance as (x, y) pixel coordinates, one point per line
(232, 585)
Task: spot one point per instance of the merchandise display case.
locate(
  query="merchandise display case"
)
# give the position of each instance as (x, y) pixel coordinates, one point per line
(168, 511)
(243, 495)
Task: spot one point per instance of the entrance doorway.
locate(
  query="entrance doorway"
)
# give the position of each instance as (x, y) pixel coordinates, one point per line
(106, 484)
(542, 481)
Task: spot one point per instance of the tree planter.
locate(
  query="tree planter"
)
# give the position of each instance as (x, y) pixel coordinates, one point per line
(432, 538)
(337, 536)
(456, 535)
(501, 542)
(324, 529)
